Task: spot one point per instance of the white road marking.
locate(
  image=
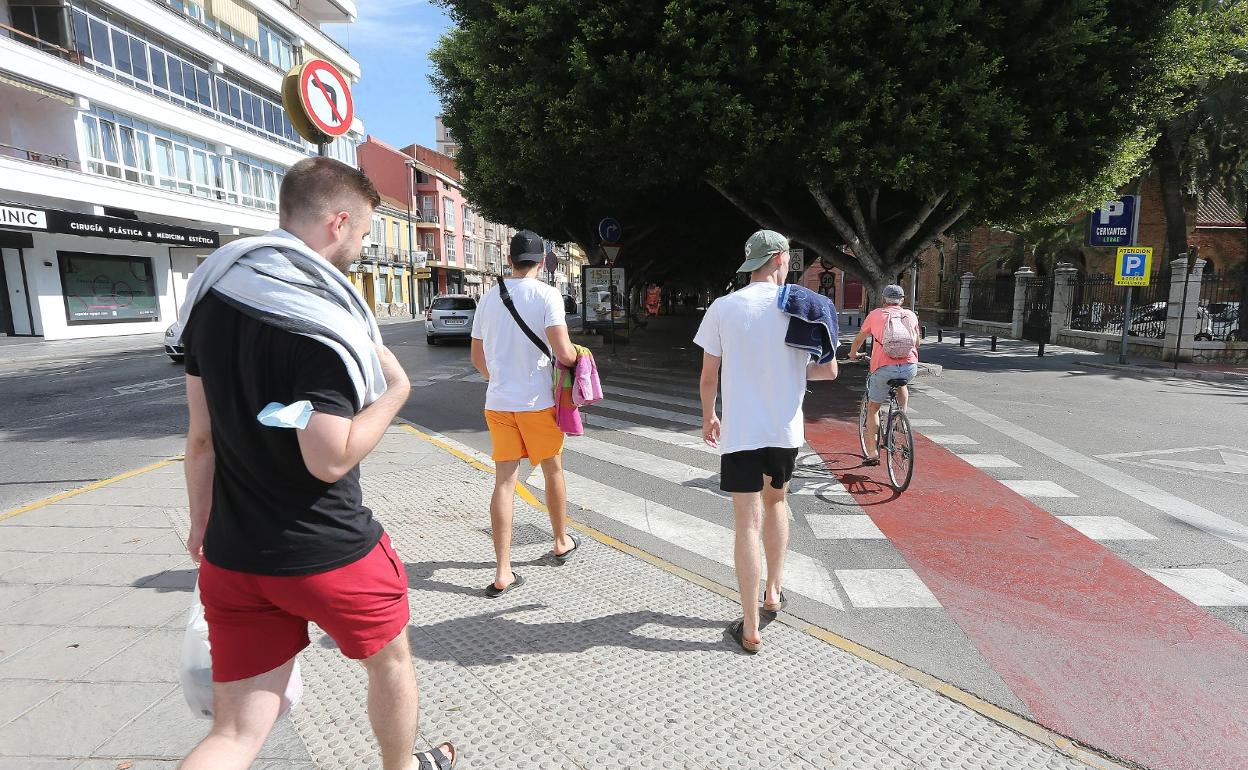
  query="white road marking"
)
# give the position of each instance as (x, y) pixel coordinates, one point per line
(1234, 462)
(650, 395)
(802, 574)
(681, 418)
(474, 378)
(1106, 528)
(674, 438)
(885, 588)
(926, 422)
(1204, 587)
(148, 387)
(1217, 525)
(989, 461)
(1037, 488)
(843, 527)
(953, 439)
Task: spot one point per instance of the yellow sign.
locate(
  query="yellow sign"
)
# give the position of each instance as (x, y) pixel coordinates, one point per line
(422, 272)
(1134, 266)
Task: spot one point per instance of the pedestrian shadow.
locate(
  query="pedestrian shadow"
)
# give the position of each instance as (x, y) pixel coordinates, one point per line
(420, 574)
(497, 637)
(169, 581)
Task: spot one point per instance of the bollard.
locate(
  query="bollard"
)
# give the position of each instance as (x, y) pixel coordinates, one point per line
(1040, 350)
(994, 343)
(923, 332)
(940, 334)
(961, 340)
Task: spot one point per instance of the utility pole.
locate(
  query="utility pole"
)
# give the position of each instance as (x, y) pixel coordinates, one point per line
(411, 250)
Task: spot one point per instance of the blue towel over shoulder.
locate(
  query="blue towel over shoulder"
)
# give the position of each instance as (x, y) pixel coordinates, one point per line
(812, 322)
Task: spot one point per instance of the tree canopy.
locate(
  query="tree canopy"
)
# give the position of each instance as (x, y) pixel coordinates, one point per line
(871, 125)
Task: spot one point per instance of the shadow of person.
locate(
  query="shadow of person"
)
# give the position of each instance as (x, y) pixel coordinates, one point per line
(420, 574)
(169, 581)
(494, 638)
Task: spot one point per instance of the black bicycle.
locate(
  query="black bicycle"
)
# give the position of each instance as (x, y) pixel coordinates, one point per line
(894, 439)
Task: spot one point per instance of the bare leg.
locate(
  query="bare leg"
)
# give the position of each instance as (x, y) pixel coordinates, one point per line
(873, 429)
(394, 703)
(557, 503)
(775, 537)
(748, 507)
(244, 715)
(903, 397)
(502, 506)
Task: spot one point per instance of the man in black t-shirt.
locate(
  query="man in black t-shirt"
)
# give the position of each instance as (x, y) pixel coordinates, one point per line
(278, 523)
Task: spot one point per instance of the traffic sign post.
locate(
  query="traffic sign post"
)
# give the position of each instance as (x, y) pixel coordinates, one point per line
(609, 230)
(1133, 267)
(317, 99)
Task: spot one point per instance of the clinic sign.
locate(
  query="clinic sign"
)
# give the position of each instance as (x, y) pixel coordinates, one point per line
(1133, 266)
(1115, 223)
(91, 226)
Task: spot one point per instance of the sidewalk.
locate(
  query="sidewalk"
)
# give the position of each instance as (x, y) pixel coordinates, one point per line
(616, 660)
(36, 349)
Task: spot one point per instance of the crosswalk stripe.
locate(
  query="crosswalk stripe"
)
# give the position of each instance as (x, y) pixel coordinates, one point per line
(674, 438)
(681, 474)
(843, 527)
(682, 418)
(950, 439)
(1203, 587)
(643, 374)
(885, 588)
(1028, 488)
(1106, 528)
(649, 395)
(802, 574)
(926, 422)
(989, 461)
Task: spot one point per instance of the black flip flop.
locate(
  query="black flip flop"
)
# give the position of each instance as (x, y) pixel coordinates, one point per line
(737, 630)
(563, 558)
(434, 759)
(494, 591)
(871, 461)
(784, 600)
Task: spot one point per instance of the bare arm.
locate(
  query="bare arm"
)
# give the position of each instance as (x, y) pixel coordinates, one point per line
(478, 358)
(854, 346)
(199, 466)
(708, 388)
(331, 445)
(561, 345)
(828, 371)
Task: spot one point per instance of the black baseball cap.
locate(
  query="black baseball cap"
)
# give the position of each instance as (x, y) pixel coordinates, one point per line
(527, 246)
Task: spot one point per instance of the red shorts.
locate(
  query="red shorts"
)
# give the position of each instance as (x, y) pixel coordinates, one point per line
(258, 622)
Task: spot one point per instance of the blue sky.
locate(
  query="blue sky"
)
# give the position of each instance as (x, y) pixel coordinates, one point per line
(391, 39)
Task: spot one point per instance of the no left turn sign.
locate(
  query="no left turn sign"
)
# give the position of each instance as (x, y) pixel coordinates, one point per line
(318, 100)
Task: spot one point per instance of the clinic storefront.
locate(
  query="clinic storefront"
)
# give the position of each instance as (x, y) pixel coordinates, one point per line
(66, 275)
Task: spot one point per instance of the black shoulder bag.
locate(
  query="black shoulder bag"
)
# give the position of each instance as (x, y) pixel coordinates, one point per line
(511, 307)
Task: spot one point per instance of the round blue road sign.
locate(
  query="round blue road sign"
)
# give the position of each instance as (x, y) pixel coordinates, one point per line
(609, 230)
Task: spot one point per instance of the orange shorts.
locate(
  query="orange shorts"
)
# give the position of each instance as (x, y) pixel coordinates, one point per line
(516, 435)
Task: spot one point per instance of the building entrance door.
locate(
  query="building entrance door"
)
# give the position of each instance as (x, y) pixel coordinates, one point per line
(6, 308)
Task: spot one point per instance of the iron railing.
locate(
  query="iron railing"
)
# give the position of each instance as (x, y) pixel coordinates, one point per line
(34, 156)
(1221, 298)
(1099, 306)
(993, 299)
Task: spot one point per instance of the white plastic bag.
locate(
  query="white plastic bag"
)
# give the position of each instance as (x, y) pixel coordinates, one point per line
(196, 670)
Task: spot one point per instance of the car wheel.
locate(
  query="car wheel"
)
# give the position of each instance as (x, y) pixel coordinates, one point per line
(431, 340)
(177, 359)
(1204, 337)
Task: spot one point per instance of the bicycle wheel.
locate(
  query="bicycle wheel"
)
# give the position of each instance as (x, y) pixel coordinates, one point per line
(862, 425)
(900, 449)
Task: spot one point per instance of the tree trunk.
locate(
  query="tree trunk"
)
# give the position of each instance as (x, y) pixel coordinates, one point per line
(1173, 200)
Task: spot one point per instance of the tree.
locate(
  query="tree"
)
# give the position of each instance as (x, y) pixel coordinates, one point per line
(875, 125)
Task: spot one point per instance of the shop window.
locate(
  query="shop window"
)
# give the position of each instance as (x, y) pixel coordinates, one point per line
(107, 288)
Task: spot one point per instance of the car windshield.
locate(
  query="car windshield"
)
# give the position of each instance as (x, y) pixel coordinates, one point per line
(455, 303)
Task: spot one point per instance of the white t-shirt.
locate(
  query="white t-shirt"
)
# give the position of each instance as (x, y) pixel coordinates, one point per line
(762, 380)
(520, 376)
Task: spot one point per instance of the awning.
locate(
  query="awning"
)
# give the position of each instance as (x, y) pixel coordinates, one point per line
(33, 87)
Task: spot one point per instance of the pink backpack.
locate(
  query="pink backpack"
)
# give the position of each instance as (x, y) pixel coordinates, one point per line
(899, 338)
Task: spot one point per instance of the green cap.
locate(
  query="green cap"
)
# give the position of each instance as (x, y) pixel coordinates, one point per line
(762, 246)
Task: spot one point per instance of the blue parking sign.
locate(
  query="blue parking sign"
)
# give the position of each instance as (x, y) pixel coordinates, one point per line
(1133, 266)
(1114, 223)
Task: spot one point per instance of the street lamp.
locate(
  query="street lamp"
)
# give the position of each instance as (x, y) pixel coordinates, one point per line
(411, 264)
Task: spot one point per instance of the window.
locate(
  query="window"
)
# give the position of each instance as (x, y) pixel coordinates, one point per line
(454, 303)
(106, 288)
(450, 249)
(377, 236)
(275, 48)
(138, 59)
(426, 207)
(398, 287)
(121, 51)
(45, 22)
(427, 242)
(101, 50)
(394, 234)
(448, 214)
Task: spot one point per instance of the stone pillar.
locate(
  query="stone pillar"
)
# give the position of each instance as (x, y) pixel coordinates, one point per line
(1021, 277)
(1176, 309)
(964, 297)
(1063, 297)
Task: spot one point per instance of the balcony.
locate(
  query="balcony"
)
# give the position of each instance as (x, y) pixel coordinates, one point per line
(423, 218)
(21, 153)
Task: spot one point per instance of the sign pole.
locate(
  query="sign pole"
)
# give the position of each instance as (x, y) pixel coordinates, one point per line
(1126, 324)
(611, 302)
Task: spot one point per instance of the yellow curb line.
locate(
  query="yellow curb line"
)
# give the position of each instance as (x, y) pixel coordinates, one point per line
(1005, 718)
(88, 488)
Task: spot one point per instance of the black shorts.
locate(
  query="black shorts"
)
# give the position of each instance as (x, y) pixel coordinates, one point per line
(744, 471)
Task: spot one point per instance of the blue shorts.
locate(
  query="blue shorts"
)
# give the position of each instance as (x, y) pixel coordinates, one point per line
(877, 383)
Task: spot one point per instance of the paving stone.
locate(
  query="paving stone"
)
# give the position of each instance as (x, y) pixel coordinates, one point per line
(68, 514)
(14, 639)
(12, 593)
(133, 540)
(61, 604)
(68, 654)
(95, 711)
(139, 607)
(153, 658)
(21, 696)
(10, 763)
(128, 569)
(42, 539)
(52, 568)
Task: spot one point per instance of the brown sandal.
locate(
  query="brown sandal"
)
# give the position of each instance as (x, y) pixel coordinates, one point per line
(435, 759)
(774, 608)
(738, 634)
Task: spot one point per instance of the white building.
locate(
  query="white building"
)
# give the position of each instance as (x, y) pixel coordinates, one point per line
(446, 143)
(134, 136)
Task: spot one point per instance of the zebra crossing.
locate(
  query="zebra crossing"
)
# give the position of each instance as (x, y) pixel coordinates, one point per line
(651, 414)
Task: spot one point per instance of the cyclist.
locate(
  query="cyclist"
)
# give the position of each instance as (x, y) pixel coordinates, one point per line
(894, 356)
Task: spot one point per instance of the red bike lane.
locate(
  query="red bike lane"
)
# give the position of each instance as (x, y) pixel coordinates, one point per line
(1097, 649)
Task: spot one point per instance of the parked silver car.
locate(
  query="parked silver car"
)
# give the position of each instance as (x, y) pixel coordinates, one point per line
(449, 317)
(174, 351)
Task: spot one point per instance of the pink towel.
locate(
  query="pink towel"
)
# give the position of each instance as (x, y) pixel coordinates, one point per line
(587, 387)
(567, 415)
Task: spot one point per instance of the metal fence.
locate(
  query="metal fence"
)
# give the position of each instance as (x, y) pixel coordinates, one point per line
(1099, 306)
(993, 299)
(1221, 297)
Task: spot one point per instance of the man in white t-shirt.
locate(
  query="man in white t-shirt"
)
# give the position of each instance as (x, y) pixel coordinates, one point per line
(764, 382)
(520, 401)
